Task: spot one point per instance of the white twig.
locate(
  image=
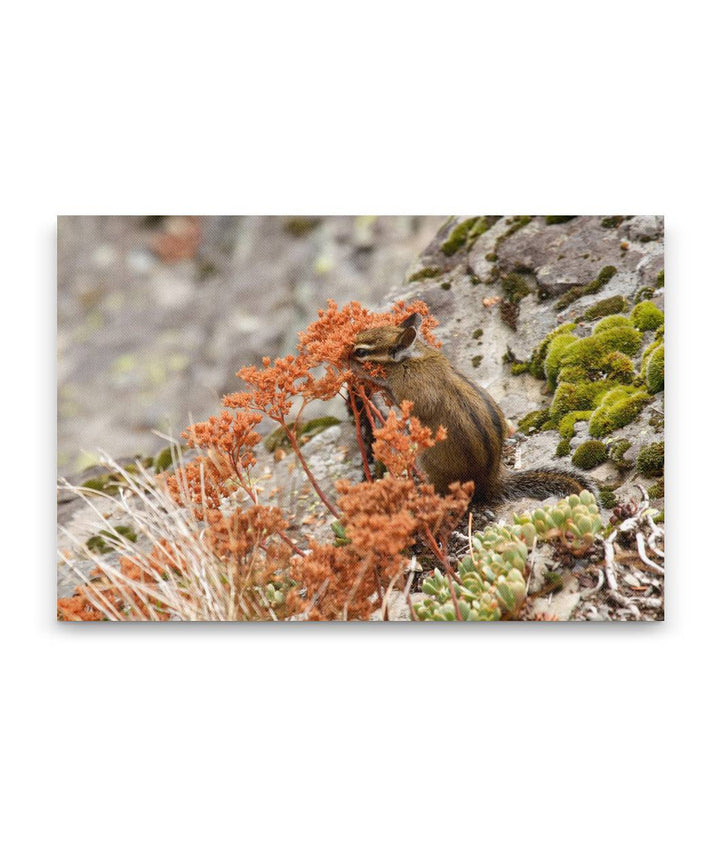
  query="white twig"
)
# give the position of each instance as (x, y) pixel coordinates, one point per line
(644, 556)
(610, 561)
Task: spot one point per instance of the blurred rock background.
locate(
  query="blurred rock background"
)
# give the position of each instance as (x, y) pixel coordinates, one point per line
(157, 313)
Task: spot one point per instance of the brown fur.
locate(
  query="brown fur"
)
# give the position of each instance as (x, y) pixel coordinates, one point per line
(476, 426)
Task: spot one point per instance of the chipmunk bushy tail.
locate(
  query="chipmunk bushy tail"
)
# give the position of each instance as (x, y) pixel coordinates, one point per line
(541, 483)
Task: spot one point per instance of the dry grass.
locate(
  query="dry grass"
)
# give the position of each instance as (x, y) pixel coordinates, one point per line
(170, 573)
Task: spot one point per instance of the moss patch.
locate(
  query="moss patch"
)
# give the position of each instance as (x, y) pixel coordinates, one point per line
(646, 316)
(590, 455)
(577, 291)
(515, 287)
(537, 360)
(425, 273)
(555, 353)
(616, 453)
(108, 540)
(563, 449)
(609, 306)
(655, 373)
(566, 425)
(533, 421)
(618, 408)
(657, 490)
(576, 396)
(458, 236)
(651, 460)
(607, 498)
(466, 232)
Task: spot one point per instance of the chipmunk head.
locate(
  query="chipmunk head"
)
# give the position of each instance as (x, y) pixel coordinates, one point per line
(387, 344)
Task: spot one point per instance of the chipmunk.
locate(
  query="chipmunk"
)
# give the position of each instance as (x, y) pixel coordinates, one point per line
(476, 427)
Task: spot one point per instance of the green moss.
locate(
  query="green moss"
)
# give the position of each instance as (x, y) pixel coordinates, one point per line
(647, 353)
(577, 396)
(477, 333)
(590, 455)
(99, 543)
(660, 518)
(655, 374)
(566, 426)
(105, 484)
(97, 483)
(611, 222)
(602, 279)
(552, 219)
(537, 360)
(458, 236)
(618, 407)
(651, 460)
(612, 321)
(555, 353)
(646, 316)
(519, 368)
(590, 353)
(607, 498)
(563, 449)
(533, 421)
(482, 224)
(657, 490)
(617, 451)
(163, 459)
(476, 360)
(515, 287)
(609, 306)
(619, 367)
(446, 286)
(491, 257)
(605, 275)
(661, 279)
(425, 273)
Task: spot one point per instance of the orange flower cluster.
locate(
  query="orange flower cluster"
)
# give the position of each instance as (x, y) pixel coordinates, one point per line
(401, 439)
(229, 440)
(382, 519)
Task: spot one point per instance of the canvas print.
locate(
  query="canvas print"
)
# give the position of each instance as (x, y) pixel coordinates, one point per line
(360, 418)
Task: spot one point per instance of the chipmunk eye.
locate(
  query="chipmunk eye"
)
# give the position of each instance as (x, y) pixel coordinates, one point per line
(361, 353)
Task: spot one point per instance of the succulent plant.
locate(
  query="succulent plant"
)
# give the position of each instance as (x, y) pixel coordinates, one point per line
(489, 581)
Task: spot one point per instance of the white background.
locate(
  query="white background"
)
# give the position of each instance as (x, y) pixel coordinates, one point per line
(356, 739)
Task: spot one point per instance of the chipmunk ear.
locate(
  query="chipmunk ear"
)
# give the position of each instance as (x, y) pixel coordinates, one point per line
(414, 320)
(404, 344)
